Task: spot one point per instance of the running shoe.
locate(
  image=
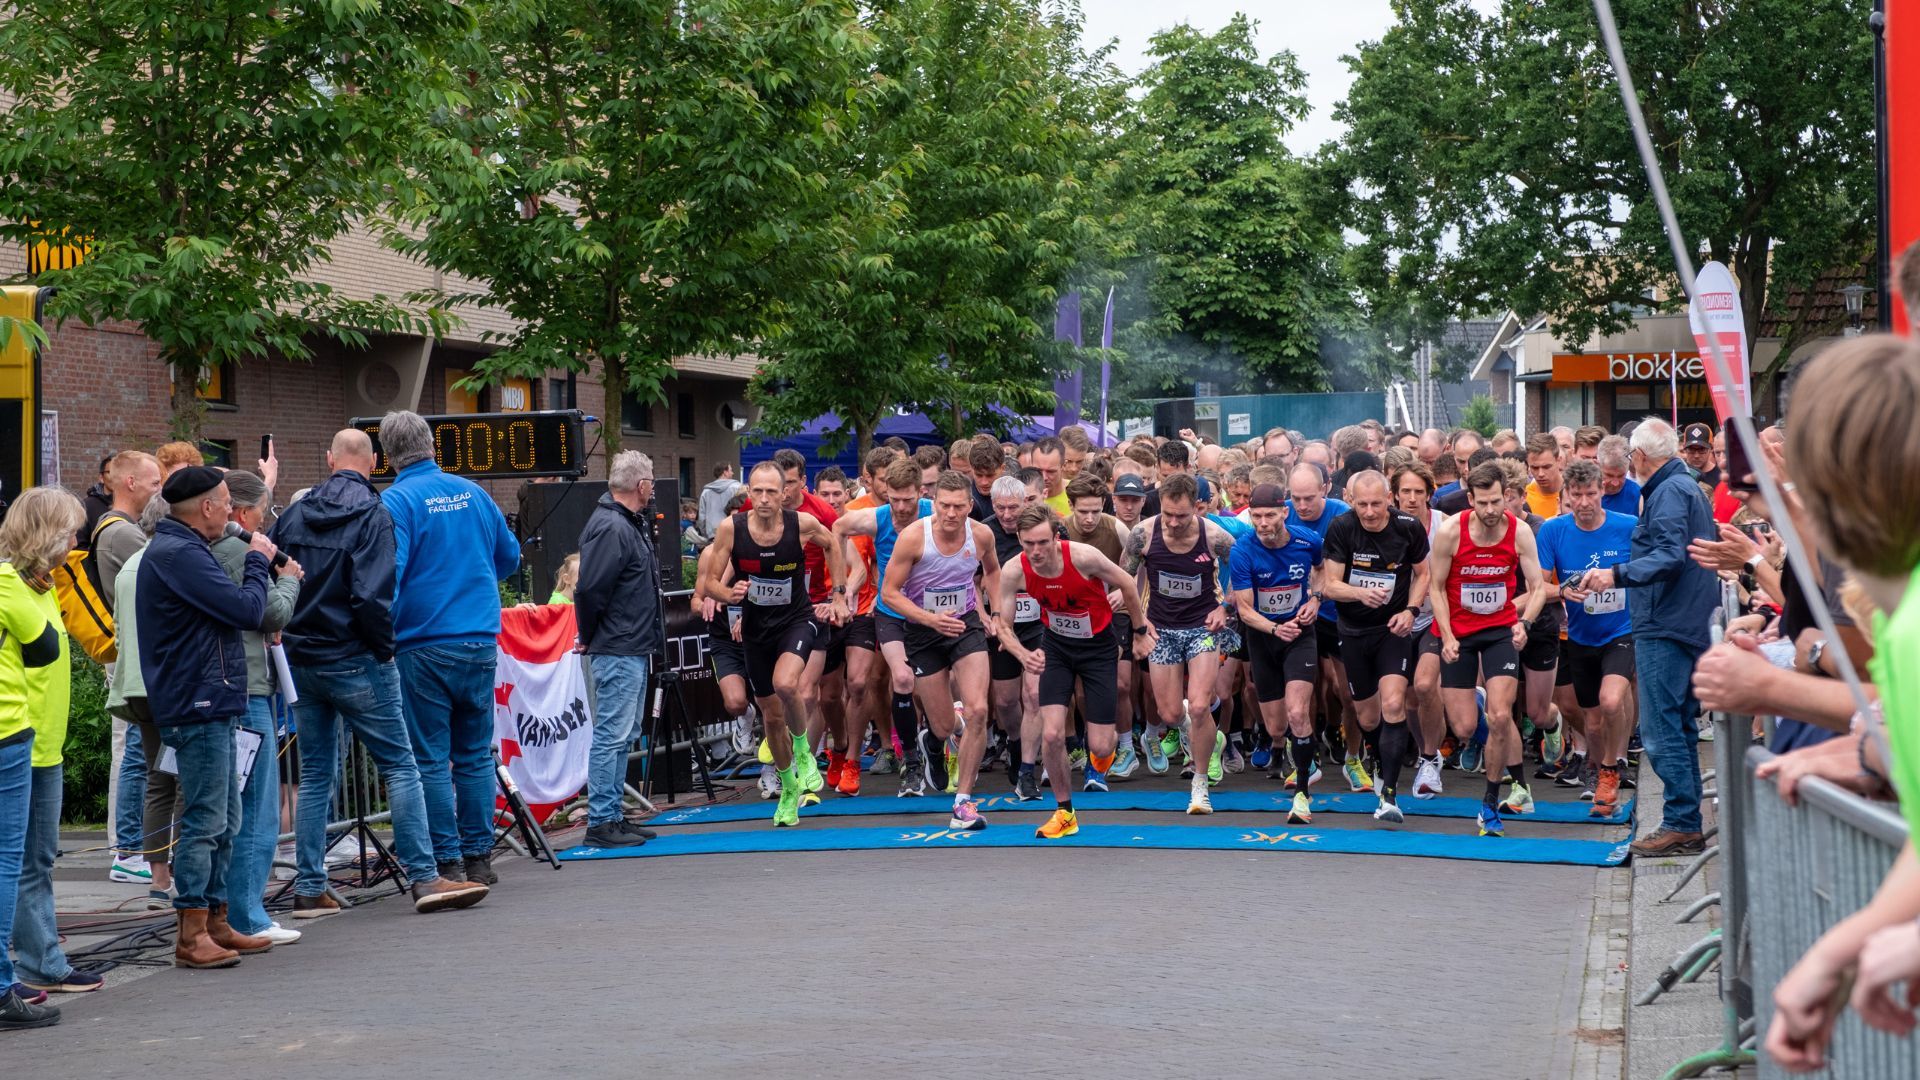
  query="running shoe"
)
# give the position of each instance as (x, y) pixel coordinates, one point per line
(1606, 794)
(834, 765)
(913, 780)
(806, 766)
(953, 772)
(765, 753)
(1301, 812)
(1077, 758)
(1627, 775)
(1095, 780)
(1389, 812)
(1357, 778)
(742, 735)
(966, 817)
(1198, 801)
(1260, 758)
(1553, 743)
(1489, 821)
(1590, 782)
(769, 782)
(1125, 763)
(884, 762)
(849, 778)
(788, 812)
(1293, 775)
(1170, 743)
(1233, 759)
(1470, 758)
(1571, 770)
(1156, 750)
(1186, 751)
(1634, 746)
(809, 798)
(1449, 752)
(1550, 769)
(1518, 801)
(933, 760)
(1062, 823)
(1216, 768)
(1028, 787)
(1426, 778)
(131, 870)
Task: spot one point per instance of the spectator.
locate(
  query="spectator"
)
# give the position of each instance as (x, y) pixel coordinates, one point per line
(175, 456)
(259, 831)
(691, 538)
(159, 802)
(565, 580)
(190, 616)
(451, 549)
(99, 497)
(1669, 597)
(1619, 493)
(132, 482)
(340, 646)
(617, 610)
(35, 537)
(713, 497)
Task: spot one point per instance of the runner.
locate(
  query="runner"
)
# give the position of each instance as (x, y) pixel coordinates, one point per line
(1178, 555)
(1071, 584)
(929, 582)
(1539, 492)
(1129, 505)
(1479, 558)
(765, 557)
(1091, 526)
(1049, 456)
(1376, 561)
(864, 676)
(883, 526)
(728, 662)
(822, 687)
(1016, 691)
(1599, 646)
(1413, 492)
(1277, 577)
(1312, 509)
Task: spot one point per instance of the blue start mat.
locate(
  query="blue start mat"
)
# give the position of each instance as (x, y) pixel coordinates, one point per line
(1187, 837)
(1171, 802)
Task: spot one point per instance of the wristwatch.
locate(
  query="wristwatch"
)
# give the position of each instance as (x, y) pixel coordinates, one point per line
(1139, 631)
(1814, 652)
(1753, 563)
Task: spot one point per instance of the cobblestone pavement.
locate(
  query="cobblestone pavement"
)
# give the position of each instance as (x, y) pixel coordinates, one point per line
(907, 964)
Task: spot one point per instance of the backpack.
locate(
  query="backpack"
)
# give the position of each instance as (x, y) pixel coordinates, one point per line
(77, 584)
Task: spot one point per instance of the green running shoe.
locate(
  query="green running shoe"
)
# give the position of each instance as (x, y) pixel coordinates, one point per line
(1170, 743)
(806, 766)
(787, 812)
(1519, 801)
(1215, 769)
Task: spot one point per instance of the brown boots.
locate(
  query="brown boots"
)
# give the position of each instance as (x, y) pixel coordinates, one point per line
(206, 941)
(194, 949)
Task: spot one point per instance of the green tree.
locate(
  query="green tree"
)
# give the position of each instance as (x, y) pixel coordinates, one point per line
(635, 178)
(1479, 415)
(1236, 273)
(205, 155)
(1491, 165)
(963, 212)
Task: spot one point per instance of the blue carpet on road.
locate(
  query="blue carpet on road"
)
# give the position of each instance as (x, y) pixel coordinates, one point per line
(1172, 802)
(1187, 837)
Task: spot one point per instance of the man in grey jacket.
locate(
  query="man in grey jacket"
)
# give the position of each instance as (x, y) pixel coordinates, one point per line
(713, 498)
(1670, 598)
(616, 608)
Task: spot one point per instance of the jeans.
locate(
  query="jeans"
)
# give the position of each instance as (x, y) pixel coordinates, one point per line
(366, 694)
(129, 788)
(617, 684)
(36, 934)
(259, 825)
(1670, 726)
(449, 707)
(203, 854)
(16, 802)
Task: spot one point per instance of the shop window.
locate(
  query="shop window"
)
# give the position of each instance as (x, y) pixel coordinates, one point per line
(561, 393)
(683, 410)
(636, 414)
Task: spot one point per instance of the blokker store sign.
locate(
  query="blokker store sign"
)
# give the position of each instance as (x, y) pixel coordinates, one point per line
(1628, 367)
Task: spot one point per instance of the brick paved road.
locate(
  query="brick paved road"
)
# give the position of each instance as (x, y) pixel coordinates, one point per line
(882, 964)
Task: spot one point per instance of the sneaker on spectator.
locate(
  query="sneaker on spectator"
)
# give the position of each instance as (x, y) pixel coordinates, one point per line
(131, 870)
(18, 1012)
(278, 934)
(159, 900)
(312, 907)
(73, 982)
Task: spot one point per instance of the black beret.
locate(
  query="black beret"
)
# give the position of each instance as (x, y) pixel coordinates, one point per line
(191, 482)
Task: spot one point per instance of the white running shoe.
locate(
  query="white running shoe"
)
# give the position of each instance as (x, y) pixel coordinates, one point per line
(1389, 813)
(1199, 802)
(279, 935)
(1426, 778)
(769, 782)
(742, 736)
(1126, 762)
(131, 870)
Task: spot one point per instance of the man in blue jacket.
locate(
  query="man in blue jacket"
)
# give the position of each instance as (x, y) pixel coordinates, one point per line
(340, 647)
(451, 549)
(190, 615)
(1670, 599)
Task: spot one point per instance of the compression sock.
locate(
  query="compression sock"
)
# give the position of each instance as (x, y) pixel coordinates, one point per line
(1393, 741)
(1302, 761)
(1101, 762)
(1492, 797)
(1372, 741)
(904, 724)
(1026, 769)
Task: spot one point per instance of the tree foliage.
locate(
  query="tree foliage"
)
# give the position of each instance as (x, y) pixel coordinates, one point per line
(635, 177)
(205, 155)
(1491, 165)
(1235, 277)
(961, 213)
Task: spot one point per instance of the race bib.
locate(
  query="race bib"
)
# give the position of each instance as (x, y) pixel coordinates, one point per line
(1025, 608)
(1179, 586)
(1364, 579)
(1071, 624)
(1605, 603)
(944, 601)
(1284, 600)
(769, 592)
(1484, 599)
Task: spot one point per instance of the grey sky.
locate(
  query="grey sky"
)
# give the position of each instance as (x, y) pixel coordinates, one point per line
(1318, 32)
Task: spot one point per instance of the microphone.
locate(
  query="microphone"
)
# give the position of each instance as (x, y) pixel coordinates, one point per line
(234, 530)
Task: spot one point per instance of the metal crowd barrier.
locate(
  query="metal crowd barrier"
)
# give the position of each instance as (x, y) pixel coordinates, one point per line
(1808, 867)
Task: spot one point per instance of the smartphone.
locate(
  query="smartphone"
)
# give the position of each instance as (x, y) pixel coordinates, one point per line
(1739, 471)
(266, 447)
(1758, 531)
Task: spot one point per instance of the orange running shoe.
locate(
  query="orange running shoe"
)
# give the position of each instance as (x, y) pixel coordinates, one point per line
(1606, 794)
(834, 765)
(849, 777)
(1062, 823)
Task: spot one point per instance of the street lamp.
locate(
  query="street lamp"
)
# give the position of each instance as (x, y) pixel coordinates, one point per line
(1855, 296)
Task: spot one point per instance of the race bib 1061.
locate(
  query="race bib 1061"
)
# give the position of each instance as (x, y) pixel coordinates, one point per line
(1484, 599)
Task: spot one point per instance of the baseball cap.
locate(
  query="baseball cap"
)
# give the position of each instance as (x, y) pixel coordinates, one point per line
(1697, 435)
(1130, 484)
(1267, 496)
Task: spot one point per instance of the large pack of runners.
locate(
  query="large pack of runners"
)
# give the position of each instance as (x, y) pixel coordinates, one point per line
(1367, 607)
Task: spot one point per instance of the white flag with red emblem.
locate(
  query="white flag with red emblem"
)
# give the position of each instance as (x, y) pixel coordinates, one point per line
(540, 718)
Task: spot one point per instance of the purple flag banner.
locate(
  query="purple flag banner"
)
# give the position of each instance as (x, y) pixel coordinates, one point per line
(1066, 388)
(1106, 364)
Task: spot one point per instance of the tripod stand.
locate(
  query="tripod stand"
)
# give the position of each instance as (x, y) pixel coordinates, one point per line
(377, 861)
(533, 839)
(667, 725)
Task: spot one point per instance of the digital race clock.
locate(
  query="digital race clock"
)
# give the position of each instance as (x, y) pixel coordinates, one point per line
(493, 446)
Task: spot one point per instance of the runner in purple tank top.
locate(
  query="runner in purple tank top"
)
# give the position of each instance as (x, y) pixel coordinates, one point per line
(930, 582)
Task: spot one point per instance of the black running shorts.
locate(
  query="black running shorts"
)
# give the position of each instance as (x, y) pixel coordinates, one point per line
(1326, 638)
(1490, 651)
(726, 657)
(1094, 662)
(1542, 650)
(1587, 665)
(1372, 655)
(860, 632)
(929, 652)
(765, 648)
(1005, 664)
(1275, 663)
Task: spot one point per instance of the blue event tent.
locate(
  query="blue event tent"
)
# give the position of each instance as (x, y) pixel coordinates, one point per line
(915, 428)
